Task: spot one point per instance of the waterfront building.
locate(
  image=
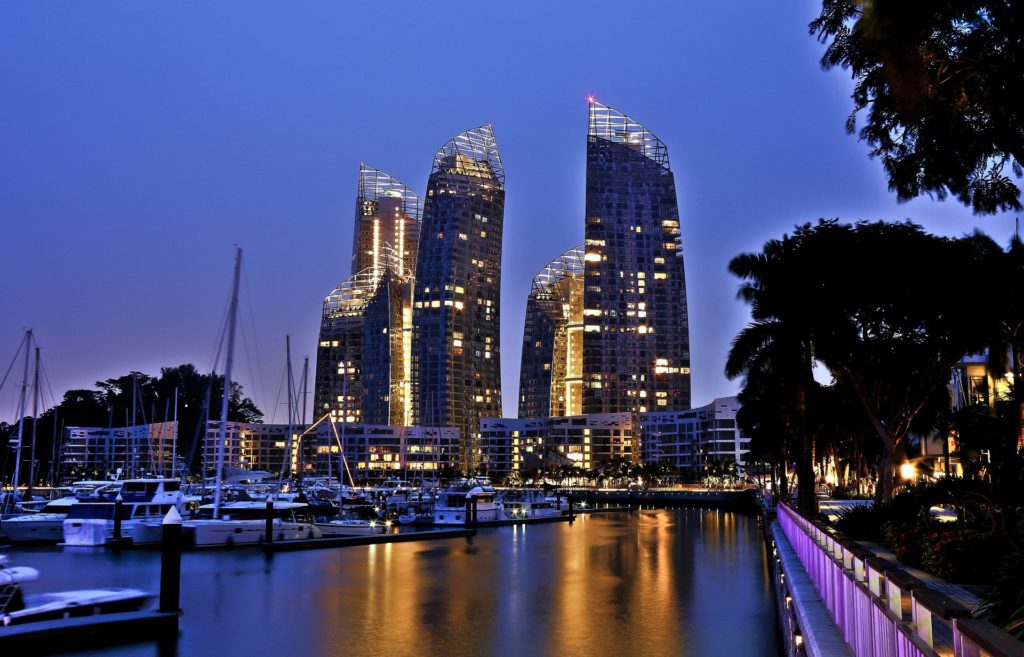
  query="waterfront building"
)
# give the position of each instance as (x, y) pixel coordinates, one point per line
(248, 446)
(583, 441)
(371, 451)
(551, 372)
(636, 347)
(376, 452)
(693, 439)
(101, 451)
(456, 371)
(363, 366)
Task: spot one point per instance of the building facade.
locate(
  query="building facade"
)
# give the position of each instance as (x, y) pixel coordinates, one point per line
(582, 441)
(101, 451)
(636, 354)
(388, 215)
(371, 452)
(551, 373)
(456, 323)
(364, 356)
(691, 440)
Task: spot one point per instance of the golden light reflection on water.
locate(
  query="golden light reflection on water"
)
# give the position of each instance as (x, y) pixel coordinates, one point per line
(655, 582)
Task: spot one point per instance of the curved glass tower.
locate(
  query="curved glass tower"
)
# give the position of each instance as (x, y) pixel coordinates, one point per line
(456, 334)
(636, 345)
(387, 215)
(363, 365)
(551, 373)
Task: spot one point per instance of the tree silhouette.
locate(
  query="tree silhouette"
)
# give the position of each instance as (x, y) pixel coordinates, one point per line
(940, 83)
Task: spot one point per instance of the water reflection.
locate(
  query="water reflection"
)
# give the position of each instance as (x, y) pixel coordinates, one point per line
(655, 582)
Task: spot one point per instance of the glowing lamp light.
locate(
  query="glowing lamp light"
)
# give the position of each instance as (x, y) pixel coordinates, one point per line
(591, 99)
(908, 471)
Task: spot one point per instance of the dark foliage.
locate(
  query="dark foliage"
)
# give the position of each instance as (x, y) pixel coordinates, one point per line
(940, 83)
(862, 523)
(111, 405)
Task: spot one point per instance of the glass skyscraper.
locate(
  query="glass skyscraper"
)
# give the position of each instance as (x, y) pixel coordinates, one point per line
(456, 325)
(551, 373)
(363, 368)
(636, 346)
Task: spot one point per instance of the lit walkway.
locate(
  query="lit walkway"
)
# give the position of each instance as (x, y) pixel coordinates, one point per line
(821, 635)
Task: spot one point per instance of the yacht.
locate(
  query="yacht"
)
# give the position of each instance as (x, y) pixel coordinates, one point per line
(16, 607)
(92, 523)
(527, 503)
(239, 523)
(44, 526)
(450, 505)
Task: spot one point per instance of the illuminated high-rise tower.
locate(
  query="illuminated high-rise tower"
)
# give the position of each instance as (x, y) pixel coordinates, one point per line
(636, 345)
(364, 357)
(456, 330)
(387, 215)
(551, 374)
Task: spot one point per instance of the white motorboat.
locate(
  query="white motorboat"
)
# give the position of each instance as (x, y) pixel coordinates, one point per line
(526, 503)
(475, 495)
(351, 527)
(92, 523)
(16, 607)
(240, 523)
(45, 526)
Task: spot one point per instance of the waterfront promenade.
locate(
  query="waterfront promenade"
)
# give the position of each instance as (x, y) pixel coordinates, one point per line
(837, 598)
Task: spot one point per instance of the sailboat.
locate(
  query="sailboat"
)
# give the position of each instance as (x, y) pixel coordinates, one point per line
(234, 523)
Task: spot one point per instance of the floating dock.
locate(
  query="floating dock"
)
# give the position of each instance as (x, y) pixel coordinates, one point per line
(88, 632)
(369, 539)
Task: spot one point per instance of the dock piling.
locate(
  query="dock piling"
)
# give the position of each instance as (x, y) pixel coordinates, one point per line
(268, 536)
(118, 514)
(170, 563)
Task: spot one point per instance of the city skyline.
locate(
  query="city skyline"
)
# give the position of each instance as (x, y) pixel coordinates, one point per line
(139, 199)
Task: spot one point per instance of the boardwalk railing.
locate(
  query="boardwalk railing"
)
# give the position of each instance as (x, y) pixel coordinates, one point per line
(880, 609)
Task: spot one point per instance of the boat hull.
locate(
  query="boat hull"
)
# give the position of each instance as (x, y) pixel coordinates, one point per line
(72, 604)
(36, 530)
(224, 533)
(91, 532)
(453, 516)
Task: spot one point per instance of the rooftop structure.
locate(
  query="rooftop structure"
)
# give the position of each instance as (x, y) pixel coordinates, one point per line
(388, 217)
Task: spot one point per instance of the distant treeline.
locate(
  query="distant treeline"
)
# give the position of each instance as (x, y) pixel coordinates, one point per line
(110, 405)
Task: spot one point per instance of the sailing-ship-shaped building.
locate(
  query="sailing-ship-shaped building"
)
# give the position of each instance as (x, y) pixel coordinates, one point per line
(363, 368)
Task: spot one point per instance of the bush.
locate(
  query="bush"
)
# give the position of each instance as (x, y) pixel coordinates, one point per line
(1004, 604)
(962, 555)
(904, 540)
(861, 523)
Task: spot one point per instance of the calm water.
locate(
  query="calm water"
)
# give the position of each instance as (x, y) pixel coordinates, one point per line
(658, 582)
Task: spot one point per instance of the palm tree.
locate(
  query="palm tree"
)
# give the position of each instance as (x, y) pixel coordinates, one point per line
(775, 354)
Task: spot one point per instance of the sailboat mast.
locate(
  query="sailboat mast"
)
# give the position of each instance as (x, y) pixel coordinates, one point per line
(133, 441)
(287, 460)
(21, 413)
(232, 316)
(305, 387)
(174, 439)
(35, 424)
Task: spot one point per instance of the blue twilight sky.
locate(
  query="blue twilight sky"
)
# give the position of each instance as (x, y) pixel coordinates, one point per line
(139, 141)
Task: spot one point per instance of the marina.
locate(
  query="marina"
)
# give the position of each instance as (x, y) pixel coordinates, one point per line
(660, 578)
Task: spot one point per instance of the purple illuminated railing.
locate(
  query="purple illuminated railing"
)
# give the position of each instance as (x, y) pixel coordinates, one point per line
(881, 610)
